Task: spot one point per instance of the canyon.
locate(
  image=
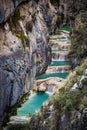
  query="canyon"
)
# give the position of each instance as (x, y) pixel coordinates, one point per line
(29, 33)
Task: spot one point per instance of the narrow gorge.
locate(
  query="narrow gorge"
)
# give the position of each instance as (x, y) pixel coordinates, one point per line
(43, 65)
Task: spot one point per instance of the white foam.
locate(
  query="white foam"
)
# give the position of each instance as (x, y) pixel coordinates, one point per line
(48, 92)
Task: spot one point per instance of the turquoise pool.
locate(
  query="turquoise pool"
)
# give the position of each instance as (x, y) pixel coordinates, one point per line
(59, 63)
(56, 50)
(66, 28)
(33, 105)
(60, 75)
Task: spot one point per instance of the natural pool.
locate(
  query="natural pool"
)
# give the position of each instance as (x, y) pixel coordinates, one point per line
(56, 50)
(65, 41)
(60, 75)
(33, 105)
(59, 63)
(66, 28)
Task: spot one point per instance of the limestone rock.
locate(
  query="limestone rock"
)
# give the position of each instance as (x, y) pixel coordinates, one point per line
(42, 87)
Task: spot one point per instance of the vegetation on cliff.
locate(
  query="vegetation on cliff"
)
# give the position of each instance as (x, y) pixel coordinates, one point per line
(13, 21)
(79, 36)
(71, 101)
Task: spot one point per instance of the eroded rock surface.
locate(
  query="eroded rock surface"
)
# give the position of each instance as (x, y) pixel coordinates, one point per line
(24, 48)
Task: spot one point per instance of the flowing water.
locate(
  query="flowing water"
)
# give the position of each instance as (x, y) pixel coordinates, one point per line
(33, 105)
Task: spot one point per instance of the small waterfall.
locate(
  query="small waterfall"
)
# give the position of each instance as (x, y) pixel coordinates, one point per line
(48, 92)
(62, 71)
(61, 58)
(58, 58)
(50, 89)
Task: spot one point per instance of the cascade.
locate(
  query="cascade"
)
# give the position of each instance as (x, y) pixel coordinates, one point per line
(46, 83)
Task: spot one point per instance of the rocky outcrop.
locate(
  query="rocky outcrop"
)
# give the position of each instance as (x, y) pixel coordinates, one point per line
(24, 48)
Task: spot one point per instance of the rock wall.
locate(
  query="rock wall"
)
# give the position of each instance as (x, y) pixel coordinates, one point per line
(24, 47)
(7, 7)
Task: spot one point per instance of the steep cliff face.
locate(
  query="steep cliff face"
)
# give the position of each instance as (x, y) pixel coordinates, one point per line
(7, 7)
(24, 48)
